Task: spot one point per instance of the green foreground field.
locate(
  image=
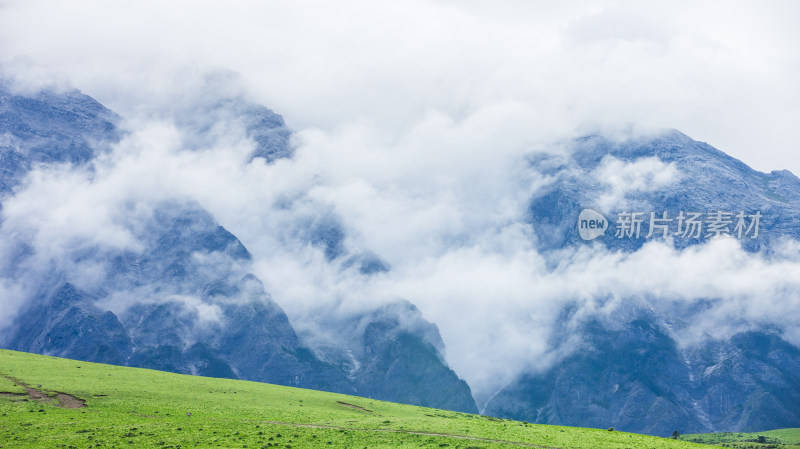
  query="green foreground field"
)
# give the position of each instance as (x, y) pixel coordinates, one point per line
(51, 402)
(771, 439)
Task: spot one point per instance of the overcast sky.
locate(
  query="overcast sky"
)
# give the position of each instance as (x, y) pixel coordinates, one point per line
(411, 120)
(723, 72)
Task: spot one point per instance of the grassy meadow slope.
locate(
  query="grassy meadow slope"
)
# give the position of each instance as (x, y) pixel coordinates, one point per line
(770, 439)
(50, 402)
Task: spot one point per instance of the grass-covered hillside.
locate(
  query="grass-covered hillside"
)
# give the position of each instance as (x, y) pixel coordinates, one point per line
(50, 402)
(772, 439)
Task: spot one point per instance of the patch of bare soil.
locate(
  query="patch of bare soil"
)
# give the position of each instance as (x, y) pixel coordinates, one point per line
(7, 394)
(37, 395)
(56, 398)
(66, 400)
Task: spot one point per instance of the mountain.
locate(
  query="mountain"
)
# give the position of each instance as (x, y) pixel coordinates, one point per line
(49, 128)
(681, 175)
(395, 354)
(633, 375)
(751, 381)
(202, 116)
(630, 371)
(183, 299)
(70, 324)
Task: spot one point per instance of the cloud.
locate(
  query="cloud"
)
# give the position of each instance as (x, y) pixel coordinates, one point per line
(413, 122)
(719, 72)
(621, 178)
(450, 226)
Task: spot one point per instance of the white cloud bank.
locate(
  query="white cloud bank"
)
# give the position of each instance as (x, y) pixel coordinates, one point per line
(412, 120)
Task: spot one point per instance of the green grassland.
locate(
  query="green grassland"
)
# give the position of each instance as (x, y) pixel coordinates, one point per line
(771, 439)
(87, 405)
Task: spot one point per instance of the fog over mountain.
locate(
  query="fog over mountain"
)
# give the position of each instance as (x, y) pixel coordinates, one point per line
(379, 182)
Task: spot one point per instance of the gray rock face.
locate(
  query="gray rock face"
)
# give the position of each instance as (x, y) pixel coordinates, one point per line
(50, 128)
(637, 379)
(708, 180)
(749, 382)
(401, 359)
(183, 300)
(68, 325)
(266, 128)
